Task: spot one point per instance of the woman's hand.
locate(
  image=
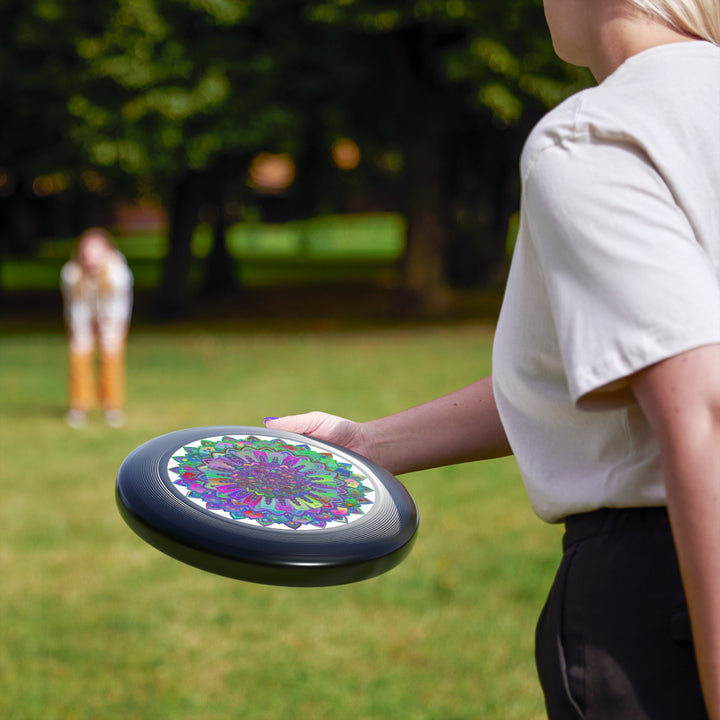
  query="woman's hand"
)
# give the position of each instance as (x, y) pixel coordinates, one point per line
(320, 425)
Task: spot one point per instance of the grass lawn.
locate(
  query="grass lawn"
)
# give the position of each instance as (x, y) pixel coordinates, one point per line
(96, 624)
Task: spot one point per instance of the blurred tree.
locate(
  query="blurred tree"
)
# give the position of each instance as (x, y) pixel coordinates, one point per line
(186, 90)
(176, 97)
(173, 97)
(457, 84)
(182, 94)
(38, 68)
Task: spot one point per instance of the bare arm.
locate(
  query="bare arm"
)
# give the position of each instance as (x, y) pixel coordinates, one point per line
(681, 400)
(455, 428)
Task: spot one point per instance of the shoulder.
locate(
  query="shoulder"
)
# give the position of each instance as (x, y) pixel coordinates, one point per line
(553, 130)
(650, 103)
(608, 113)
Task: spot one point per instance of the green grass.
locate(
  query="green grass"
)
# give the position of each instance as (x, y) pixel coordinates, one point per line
(96, 624)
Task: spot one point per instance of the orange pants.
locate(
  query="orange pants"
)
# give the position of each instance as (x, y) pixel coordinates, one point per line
(84, 393)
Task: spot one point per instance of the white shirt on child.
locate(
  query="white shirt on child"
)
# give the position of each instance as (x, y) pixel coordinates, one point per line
(97, 308)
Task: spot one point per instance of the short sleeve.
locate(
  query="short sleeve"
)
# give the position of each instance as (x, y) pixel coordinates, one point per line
(628, 282)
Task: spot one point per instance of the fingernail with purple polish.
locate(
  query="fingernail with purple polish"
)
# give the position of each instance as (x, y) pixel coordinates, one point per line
(269, 418)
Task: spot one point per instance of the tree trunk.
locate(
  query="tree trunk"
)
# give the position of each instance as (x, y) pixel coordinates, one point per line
(485, 194)
(175, 294)
(424, 276)
(424, 142)
(220, 267)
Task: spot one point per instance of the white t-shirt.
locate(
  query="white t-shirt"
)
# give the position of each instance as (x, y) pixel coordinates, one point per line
(617, 266)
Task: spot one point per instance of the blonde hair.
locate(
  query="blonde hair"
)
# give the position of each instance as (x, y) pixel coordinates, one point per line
(699, 18)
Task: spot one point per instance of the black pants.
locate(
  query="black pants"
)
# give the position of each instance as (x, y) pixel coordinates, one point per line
(613, 641)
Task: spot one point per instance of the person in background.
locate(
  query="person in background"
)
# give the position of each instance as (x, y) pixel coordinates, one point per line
(97, 295)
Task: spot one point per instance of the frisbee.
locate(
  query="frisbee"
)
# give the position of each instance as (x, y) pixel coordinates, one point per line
(266, 506)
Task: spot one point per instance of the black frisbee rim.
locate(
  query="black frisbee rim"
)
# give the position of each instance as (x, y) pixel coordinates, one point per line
(161, 516)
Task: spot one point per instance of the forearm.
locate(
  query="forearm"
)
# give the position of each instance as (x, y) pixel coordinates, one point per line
(460, 427)
(693, 496)
(681, 400)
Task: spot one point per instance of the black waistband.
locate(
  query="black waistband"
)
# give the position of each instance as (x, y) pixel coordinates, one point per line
(612, 521)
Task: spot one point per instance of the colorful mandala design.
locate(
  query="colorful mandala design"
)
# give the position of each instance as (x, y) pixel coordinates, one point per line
(271, 482)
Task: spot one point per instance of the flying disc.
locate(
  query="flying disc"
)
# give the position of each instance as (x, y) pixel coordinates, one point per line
(266, 506)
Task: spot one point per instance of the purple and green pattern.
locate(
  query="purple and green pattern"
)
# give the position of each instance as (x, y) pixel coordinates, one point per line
(271, 482)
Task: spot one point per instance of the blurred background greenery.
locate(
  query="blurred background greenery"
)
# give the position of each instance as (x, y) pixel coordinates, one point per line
(158, 118)
(317, 199)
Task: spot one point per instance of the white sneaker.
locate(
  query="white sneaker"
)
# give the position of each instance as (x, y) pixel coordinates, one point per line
(75, 418)
(115, 418)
